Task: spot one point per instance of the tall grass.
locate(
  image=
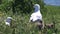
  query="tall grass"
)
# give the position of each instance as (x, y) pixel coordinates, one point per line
(24, 27)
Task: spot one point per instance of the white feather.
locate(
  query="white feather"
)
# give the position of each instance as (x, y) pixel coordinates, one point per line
(8, 21)
(36, 15)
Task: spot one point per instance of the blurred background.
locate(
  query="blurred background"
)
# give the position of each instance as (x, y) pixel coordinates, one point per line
(21, 10)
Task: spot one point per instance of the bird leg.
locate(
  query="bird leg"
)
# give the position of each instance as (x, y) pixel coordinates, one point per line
(41, 25)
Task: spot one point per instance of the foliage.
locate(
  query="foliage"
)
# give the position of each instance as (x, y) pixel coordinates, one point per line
(19, 6)
(24, 27)
(22, 10)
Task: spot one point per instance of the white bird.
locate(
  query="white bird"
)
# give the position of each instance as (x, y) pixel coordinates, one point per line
(8, 21)
(37, 17)
(37, 14)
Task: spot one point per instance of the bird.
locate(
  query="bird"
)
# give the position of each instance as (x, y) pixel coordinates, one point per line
(36, 16)
(8, 21)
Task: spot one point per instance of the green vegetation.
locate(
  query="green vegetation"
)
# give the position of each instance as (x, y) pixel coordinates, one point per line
(22, 15)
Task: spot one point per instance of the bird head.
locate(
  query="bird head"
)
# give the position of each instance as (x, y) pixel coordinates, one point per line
(36, 7)
(9, 17)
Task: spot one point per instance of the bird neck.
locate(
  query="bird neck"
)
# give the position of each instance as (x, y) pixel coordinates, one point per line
(38, 11)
